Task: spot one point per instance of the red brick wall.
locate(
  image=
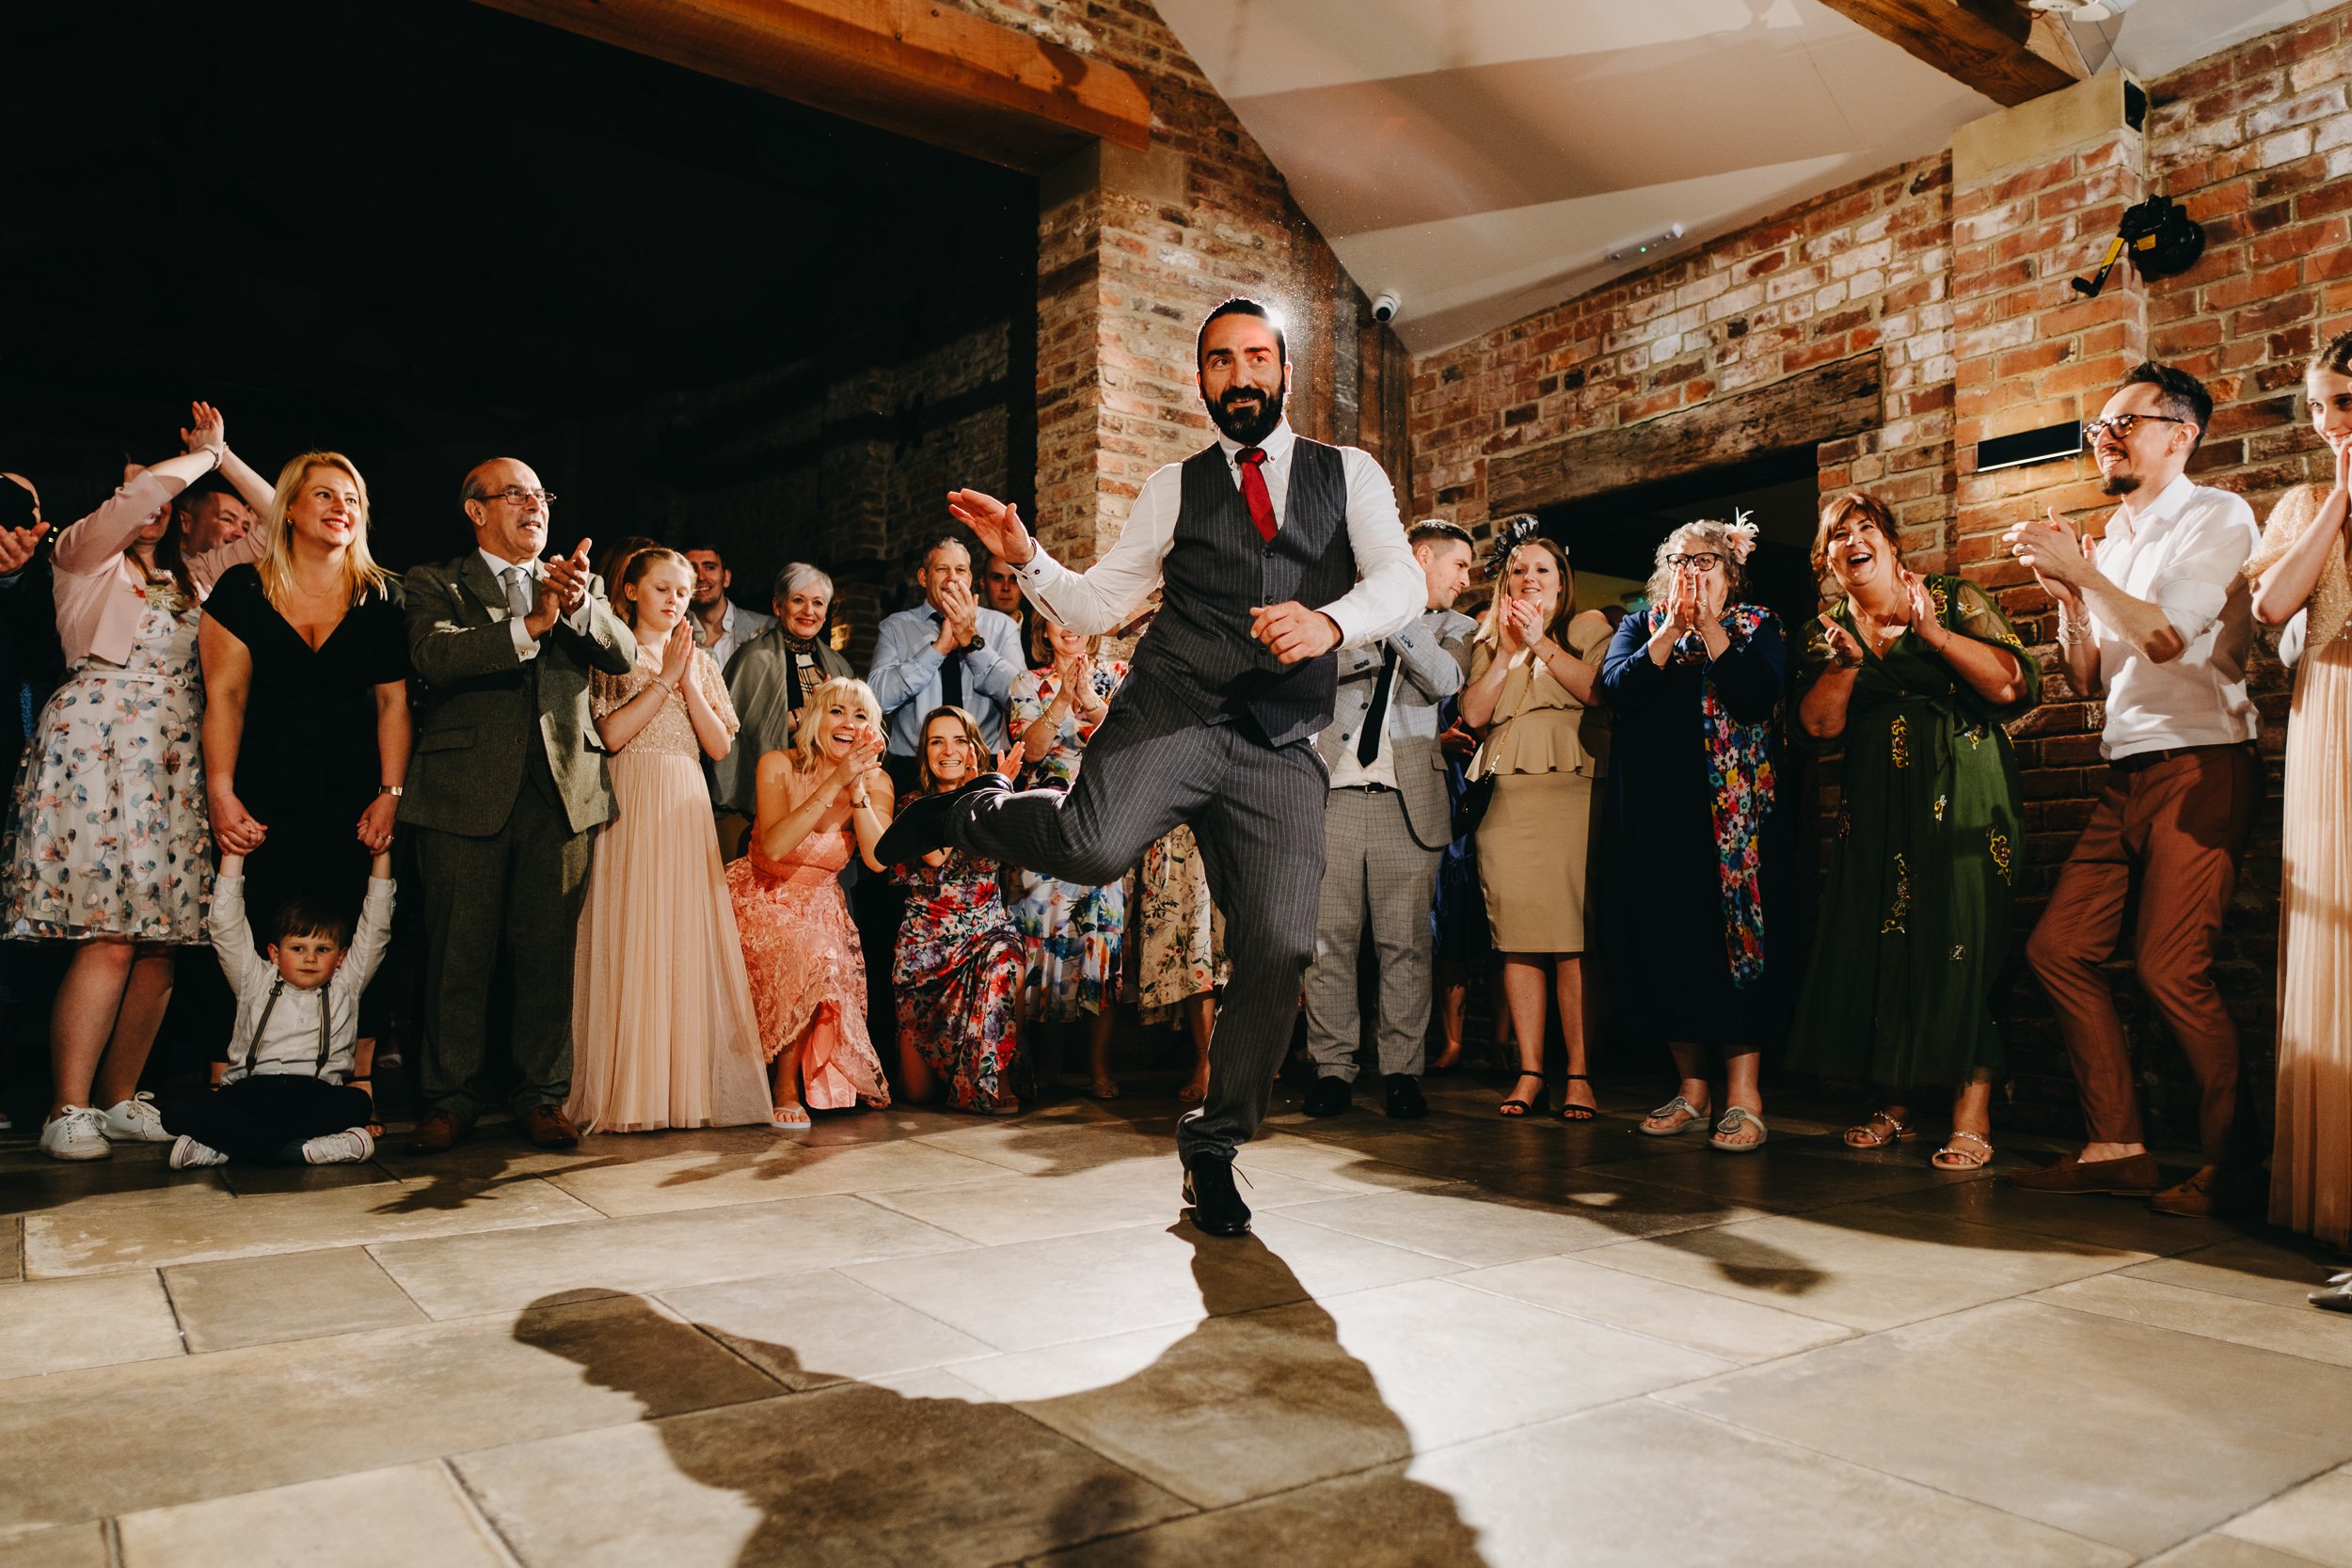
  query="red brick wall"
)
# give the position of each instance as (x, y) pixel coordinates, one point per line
(1967, 294)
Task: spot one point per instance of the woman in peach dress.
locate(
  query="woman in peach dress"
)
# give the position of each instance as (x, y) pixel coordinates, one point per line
(662, 1029)
(819, 802)
(2301, 567)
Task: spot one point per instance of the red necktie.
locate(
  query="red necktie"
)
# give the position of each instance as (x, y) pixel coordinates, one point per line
(1253, 490)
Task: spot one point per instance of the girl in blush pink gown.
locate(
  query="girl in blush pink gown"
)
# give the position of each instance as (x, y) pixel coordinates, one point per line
(819, 802)
(662, 1029)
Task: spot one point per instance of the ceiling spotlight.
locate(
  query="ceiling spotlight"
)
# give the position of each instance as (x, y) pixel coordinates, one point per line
(1633, 250)
(2082, 11)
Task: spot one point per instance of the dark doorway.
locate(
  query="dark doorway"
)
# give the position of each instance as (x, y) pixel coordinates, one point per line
(426, 233)
(1612, 539)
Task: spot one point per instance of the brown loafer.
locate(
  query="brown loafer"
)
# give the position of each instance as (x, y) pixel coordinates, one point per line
(438, 1132)
(2212, 1191)
(548, 1127)
(2134, 1176)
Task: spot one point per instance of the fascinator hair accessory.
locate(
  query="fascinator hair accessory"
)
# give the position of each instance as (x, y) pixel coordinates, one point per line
(1513, 532)
(1742, 535)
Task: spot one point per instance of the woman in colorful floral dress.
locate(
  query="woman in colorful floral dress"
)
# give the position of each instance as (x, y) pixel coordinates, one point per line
(1073, 934)
(1692, 818)
(1914, 677)
(1180, 940)
(958, 964)
(112, 846)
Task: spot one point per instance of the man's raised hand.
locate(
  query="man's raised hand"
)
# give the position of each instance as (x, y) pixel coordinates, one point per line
(1293, 632)
(996, 524)
(567, 578)
(17, 545)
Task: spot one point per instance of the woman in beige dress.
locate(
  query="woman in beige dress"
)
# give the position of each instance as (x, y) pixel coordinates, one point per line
(2300, 566)
(1532, 697)
(663, 1034)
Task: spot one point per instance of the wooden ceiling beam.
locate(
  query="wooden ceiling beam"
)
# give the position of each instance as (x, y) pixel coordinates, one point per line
(1980, 44)
(940, 75)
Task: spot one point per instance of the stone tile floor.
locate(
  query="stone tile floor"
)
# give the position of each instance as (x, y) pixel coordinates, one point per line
(914, 1338)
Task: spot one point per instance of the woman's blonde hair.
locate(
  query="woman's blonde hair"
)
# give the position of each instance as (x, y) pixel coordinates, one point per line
(1490, 624)
(981, 757)
(1041, 641)
(362, 576)
(1851, 507)
(1709, 536)
(806, 741)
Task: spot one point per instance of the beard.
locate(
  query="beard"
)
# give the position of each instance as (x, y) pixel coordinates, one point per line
(1246, 413)
(2119, 482)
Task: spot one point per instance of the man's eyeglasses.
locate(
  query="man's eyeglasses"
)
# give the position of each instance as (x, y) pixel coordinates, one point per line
(2119, 425)
(1704, 561)
(515, 495)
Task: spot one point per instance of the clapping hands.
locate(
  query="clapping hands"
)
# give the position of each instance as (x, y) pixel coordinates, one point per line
(206, 430)
(677, 654)
(563, 588)
(2055, 553)
(1522, 625)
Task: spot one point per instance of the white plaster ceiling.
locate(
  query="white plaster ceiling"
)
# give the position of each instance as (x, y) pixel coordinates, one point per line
(1479, 158)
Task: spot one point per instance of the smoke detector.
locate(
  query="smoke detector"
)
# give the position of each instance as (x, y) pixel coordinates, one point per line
(2082, 11)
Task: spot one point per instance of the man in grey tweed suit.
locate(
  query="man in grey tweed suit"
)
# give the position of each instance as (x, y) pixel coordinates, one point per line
(505, 788)
(1273, 551)
(1389, 820)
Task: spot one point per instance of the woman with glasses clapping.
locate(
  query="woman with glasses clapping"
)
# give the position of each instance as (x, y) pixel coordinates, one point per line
(1694, 683)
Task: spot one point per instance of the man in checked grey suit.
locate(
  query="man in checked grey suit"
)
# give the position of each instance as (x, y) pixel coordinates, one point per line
(504, 791)
(1387, 822)
(1272, 551)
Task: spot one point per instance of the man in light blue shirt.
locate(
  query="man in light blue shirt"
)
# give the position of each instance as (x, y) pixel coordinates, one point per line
(946, 650)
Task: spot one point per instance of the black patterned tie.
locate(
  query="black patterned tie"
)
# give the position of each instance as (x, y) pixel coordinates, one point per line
(951, 678)
(1376, 718)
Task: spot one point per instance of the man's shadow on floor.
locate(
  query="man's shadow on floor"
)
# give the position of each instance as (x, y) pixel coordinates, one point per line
(1257, 1399)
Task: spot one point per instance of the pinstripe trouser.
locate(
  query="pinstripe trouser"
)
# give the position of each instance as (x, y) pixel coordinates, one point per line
(1257, 811)
(1372, 868)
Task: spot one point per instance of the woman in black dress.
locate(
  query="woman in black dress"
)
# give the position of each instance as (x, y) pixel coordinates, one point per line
(1694, 939)
(306, 728)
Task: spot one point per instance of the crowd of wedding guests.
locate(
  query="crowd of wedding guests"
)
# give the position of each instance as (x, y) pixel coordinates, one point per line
(646, 817)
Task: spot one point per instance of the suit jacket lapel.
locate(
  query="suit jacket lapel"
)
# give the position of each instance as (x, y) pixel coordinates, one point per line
(476, 574)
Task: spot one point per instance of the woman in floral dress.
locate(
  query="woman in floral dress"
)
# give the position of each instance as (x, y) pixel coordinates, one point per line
(958, 964)
(1073, 934)
(1180, 940)
(1914, 677)
(111, 850)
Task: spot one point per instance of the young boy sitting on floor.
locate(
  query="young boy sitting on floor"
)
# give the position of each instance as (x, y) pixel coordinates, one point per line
(289, 1096)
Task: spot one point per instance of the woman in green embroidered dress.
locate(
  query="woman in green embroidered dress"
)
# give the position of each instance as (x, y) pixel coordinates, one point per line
(1914, 677)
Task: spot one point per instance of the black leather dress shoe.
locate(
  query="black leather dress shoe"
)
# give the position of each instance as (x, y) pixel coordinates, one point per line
(922, 824)
(1217, 1206)
(1330, 1097)
(1403, 1094)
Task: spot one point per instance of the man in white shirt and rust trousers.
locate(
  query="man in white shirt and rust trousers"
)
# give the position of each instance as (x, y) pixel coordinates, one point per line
(1389, 820)
(2158, 619)
(1274, 552)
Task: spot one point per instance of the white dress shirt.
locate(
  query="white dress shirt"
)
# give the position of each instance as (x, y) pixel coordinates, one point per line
(1389, 589)
(737, 627)
(1347, 773)
(2185, 554)
(526, 645)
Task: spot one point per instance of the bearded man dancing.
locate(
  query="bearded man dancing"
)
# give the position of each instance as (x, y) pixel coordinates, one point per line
(1273, 551)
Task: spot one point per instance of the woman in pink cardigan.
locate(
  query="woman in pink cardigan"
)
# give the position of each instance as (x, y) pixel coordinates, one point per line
(110, 850)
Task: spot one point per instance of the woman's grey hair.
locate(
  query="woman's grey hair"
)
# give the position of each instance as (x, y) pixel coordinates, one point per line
(1696, 538)
(796, 575)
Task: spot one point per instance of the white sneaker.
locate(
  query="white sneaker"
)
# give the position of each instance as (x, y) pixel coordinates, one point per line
(186, 1153)
(136, 1121)
(77, 1133)
(347, 1148)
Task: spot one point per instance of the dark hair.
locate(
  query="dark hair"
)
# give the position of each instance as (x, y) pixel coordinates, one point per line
(2334, 356)
(304, 917)
(982, 759)
(2181, 394)
(1240, 306)
(1431, 530)
(210, 484)
(706, 549)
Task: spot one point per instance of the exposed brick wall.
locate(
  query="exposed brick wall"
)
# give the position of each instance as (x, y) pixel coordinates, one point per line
(1863, 267)
(1968, 292)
